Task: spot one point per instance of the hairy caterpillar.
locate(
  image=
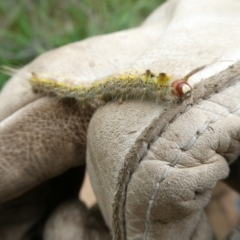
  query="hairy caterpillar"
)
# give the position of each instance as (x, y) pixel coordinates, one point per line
(148, 85)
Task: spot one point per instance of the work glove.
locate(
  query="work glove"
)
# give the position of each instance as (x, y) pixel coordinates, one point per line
(152, 163)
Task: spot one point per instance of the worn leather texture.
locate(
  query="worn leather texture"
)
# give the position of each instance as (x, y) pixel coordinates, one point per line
(152, 166)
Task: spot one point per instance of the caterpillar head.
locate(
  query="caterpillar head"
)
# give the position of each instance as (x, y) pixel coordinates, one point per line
(182, 89)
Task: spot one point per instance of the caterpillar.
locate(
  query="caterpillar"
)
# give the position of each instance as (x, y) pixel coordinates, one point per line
(148, 86)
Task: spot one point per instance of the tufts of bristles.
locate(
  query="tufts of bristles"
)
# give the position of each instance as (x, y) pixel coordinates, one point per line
(8, 70)
(123, 87)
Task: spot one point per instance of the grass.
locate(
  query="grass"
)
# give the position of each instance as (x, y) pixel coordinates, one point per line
(29, 28)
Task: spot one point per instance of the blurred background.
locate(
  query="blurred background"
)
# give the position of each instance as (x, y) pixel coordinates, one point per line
(29, 28)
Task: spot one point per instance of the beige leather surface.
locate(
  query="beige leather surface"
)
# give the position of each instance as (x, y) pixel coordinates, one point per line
(176, 159)
(170, 170)
(152, 166)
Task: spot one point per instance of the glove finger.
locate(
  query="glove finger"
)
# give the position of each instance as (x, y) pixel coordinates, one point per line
(39, 142)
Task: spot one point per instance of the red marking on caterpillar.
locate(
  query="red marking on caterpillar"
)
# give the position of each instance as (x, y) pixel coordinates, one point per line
(183, 89)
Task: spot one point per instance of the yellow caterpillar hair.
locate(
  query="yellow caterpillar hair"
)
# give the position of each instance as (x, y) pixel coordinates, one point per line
(148, 85)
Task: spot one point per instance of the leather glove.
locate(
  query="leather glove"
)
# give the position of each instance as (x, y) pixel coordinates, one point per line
(152, 165)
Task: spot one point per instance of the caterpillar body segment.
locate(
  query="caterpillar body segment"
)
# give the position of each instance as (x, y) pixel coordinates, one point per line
(151, 86)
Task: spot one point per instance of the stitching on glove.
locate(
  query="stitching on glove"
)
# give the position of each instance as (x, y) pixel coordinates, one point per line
(152, 199)
(199, 132)
(219, 82)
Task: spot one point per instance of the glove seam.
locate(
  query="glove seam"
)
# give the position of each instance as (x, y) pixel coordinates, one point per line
(144, 142)
(179, 157)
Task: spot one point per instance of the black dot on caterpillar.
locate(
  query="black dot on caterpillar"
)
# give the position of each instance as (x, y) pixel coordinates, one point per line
(150, 86)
